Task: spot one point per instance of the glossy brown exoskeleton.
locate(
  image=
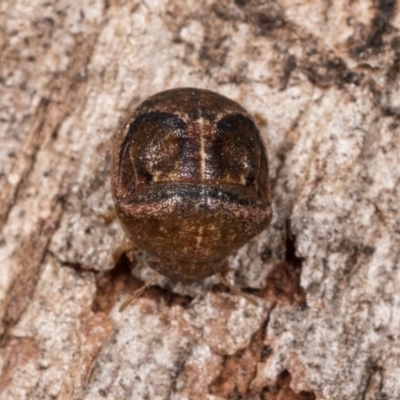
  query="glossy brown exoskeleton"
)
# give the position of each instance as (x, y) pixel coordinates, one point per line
(190, 181)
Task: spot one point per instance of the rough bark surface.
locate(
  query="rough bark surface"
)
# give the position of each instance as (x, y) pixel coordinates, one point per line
(323, 80)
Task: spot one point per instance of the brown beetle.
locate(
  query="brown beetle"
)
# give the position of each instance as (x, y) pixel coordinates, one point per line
(190, 181)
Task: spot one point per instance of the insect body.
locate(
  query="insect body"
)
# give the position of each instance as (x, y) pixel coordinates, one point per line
(190, 181)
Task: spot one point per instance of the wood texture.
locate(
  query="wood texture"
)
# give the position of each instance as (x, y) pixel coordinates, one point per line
(323, 81)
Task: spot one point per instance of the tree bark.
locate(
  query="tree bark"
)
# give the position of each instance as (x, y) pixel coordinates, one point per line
(323, 81)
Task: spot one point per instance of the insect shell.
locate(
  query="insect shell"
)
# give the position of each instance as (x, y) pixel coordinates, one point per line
(190, 181)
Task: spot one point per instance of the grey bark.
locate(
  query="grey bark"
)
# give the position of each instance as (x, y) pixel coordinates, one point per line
(323, 81)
